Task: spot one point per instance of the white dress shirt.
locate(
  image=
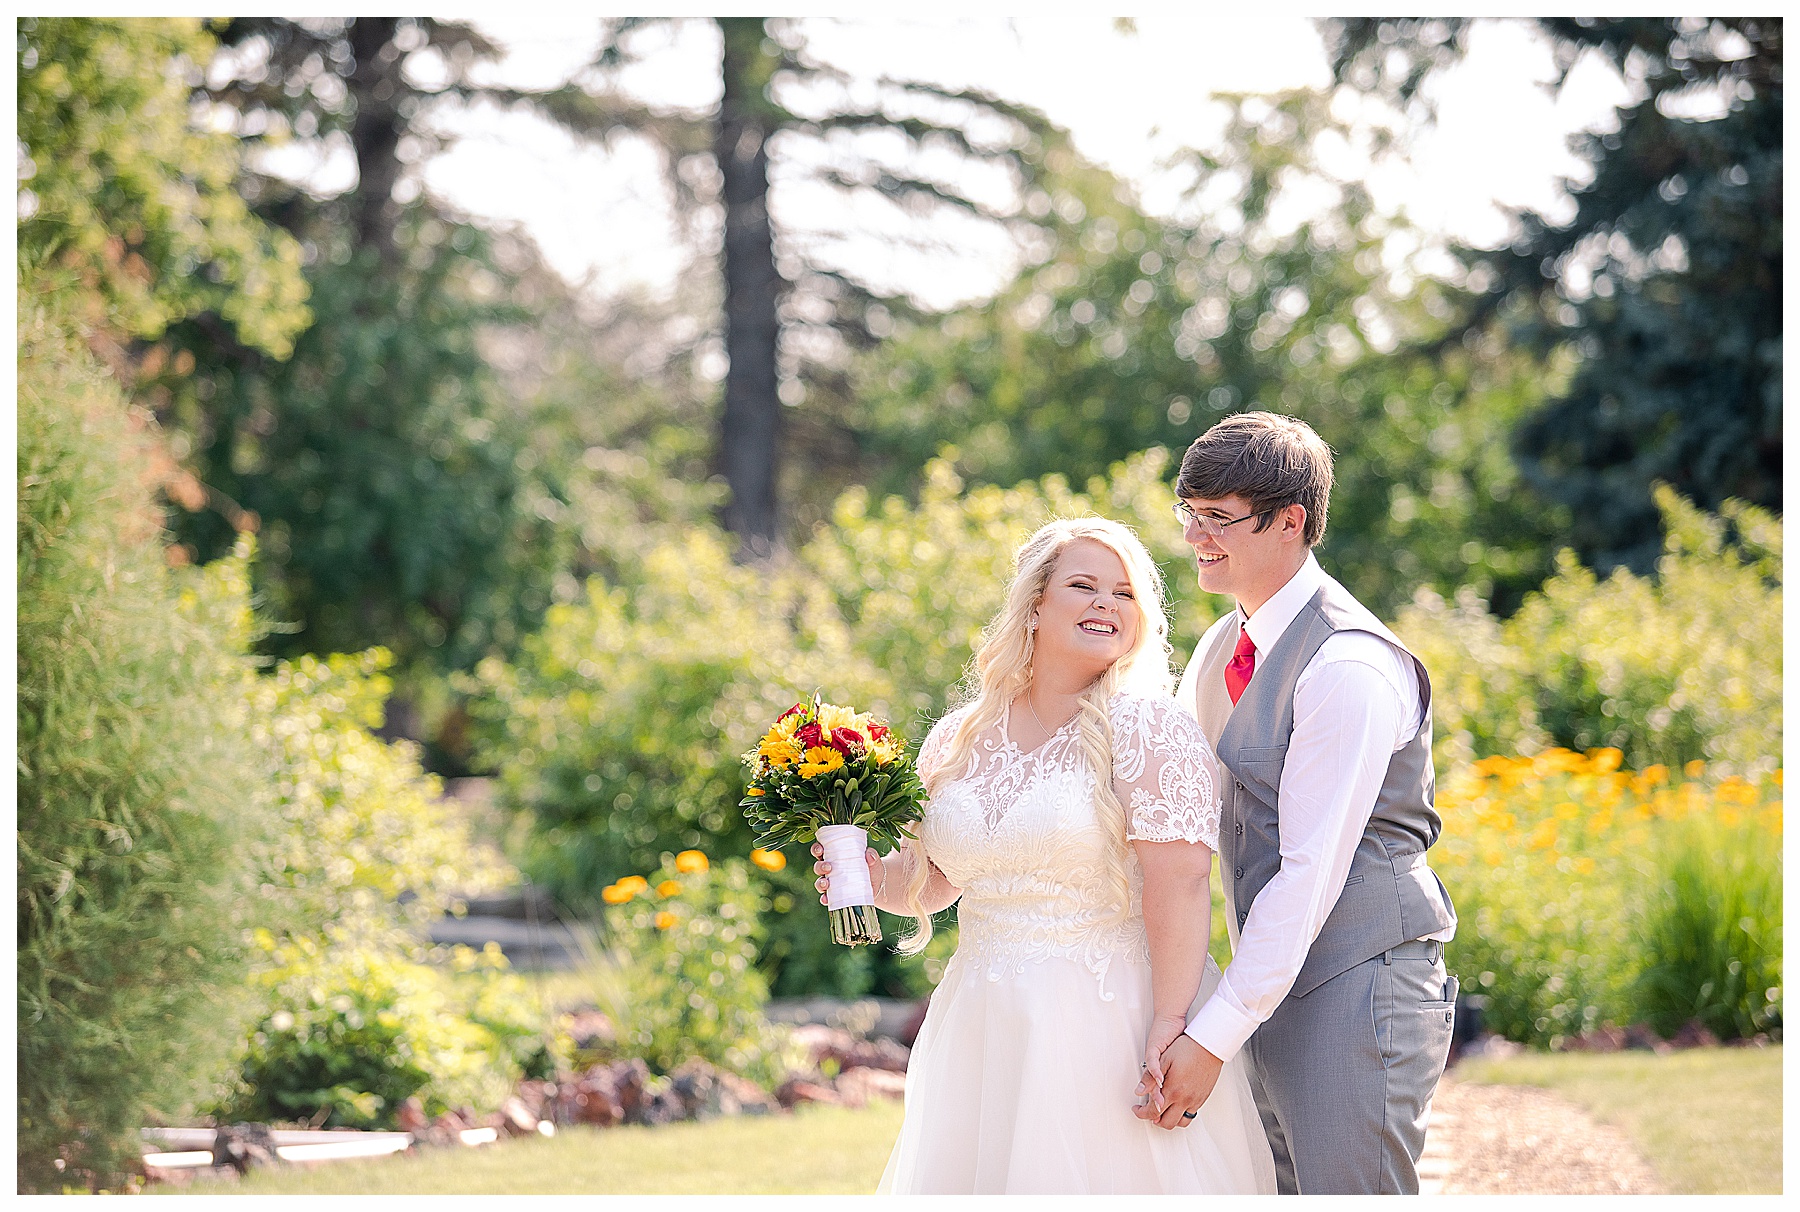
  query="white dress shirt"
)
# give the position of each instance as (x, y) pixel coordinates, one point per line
(1356, 703)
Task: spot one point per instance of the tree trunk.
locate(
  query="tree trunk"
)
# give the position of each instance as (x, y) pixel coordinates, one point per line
(749, 432)
(375, 132)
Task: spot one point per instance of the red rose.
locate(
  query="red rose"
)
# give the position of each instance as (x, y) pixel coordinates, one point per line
(810, 735)
(790, 711)
(848, 741)
(878, 731)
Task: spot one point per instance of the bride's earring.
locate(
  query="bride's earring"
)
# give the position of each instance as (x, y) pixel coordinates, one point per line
(1033, 623)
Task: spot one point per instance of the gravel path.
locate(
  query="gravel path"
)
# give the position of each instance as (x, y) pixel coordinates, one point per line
(1520, 1140)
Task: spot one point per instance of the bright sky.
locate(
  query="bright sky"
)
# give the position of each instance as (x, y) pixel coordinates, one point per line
(1129, 99)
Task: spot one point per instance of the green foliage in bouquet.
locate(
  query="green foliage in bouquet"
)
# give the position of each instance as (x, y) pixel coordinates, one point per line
(821, 764)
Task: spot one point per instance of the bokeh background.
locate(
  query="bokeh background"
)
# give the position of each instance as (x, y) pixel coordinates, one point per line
(444, 446)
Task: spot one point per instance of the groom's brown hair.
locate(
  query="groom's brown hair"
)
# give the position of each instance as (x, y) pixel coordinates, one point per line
(1270, 460)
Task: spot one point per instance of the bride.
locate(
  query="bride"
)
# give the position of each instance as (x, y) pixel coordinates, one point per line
(1084, 901)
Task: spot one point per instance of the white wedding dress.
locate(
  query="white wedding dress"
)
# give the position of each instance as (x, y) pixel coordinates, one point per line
(1022, 1077)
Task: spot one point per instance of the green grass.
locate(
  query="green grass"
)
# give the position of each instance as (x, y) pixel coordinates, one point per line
(816, 1151)
(1708, 1120)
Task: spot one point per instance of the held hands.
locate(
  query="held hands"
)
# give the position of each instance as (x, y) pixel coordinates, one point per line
(1179, 1076)
(822, 869)
(1165, 1029)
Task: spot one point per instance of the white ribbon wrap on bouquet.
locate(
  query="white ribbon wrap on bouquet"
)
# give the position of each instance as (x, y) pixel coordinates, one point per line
(844, 846)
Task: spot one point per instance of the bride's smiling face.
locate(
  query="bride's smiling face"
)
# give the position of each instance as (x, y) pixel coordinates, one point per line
(1088, 617)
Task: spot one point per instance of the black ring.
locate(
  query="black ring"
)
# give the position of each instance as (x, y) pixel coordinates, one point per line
(1189, 1114)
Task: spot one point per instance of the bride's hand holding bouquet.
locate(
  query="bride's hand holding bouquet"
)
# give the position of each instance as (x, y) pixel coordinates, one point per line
(827, 772)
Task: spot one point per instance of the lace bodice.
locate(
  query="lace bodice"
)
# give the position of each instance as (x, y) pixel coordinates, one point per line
(1017, 832)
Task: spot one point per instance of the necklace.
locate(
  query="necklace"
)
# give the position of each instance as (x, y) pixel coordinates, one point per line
(1034, 714)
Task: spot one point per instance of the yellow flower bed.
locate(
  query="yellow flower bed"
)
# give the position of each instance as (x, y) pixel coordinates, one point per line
(1579, 885)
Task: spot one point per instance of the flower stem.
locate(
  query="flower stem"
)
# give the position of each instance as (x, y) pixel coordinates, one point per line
(854, 925)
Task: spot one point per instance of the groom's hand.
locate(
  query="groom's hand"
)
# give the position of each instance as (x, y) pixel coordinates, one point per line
(1189, 1074)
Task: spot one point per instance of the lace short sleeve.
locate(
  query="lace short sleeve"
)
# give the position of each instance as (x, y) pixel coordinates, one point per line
(1164, 772)
(937, 741)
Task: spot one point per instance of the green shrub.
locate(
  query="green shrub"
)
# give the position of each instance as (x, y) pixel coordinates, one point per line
(1711, 929)
(138, 790)
(130, 196)
(1667, 670)
(352, 1019)
(1591, 895)
(678, 973)
(366, 838)
(354, 1030)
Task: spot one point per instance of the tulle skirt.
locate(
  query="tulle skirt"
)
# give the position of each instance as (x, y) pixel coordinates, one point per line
(1025, 1085)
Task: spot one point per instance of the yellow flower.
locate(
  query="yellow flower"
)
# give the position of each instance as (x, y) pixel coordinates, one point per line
(668, 888)
(615, 895)
(821, 760)
(631, 885)
(1606, 760)
(665, 920)
(832, 716)
(1694, 769)
(780, 752)
(768, 860)
(754, 791)
(690, 862)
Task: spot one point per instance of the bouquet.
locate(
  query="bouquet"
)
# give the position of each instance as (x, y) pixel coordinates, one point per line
(843, 777)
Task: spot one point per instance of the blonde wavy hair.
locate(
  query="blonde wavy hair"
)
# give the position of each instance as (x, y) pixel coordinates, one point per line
(1002, 671)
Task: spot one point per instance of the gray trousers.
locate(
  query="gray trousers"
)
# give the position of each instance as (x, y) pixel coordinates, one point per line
(1343, 1077)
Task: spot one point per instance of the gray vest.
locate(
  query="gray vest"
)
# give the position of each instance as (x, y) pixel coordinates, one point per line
(1390, 895)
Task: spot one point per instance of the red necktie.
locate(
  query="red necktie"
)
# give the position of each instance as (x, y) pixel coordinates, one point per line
(1240, 667)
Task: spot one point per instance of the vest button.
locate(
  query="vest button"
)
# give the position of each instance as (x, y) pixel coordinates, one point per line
(1238, 785)
(1237, 873)
(1240, 828)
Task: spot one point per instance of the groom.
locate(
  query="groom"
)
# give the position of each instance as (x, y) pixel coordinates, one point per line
(1336, 992)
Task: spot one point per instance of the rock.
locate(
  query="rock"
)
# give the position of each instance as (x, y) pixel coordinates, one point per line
(442, 1131)
(862, 1083)
(516, 1119)
(593, 1098)
(631, 1081)
(1694, 1034)
(1607, 1038)
(823, 1043)
(242, 1146)
(751, 1099)
(660, 1105)
(1640, 1038)
(411, 1116)
(795, 1091)
(701, 1090)
(540, 1097)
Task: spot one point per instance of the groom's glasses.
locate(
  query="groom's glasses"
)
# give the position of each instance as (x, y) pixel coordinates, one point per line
(1184, 513)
